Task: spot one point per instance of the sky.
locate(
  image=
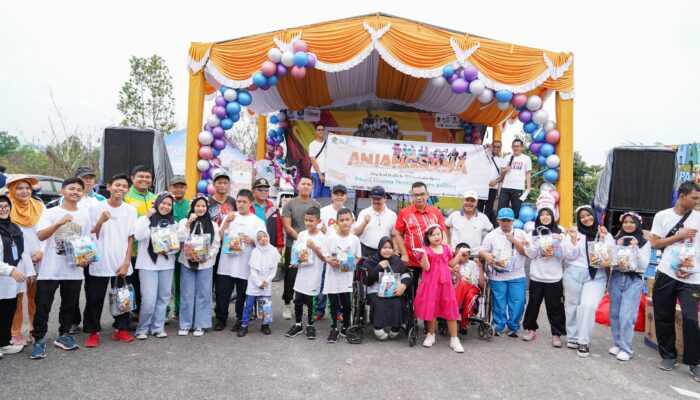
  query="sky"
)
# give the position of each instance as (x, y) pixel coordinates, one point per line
(637, 64)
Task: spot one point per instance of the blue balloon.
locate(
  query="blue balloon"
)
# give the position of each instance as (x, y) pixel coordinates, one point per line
(541, 160)
(223, 88)
(518, 224)
(226, 123)
(526, 214)
(202, 186)
(280, 160)
(301, 58)
(546, 150)
(244, 98)
(551, 175)
(274, 119)
(235, 117)
(530, 127)
(233, 108)
(259, 79)
(279, 139)
(271, 133)
(273, 80)
(447, 71)
(280, 131)
(216, 152)
(504, 96)
(539, 136)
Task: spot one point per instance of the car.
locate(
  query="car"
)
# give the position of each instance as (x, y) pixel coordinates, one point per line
(48, 190)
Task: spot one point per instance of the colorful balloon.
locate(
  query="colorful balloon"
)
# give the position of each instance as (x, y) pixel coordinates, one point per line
(244, 98)
(535, 147)
(220, 101)
(530, 127)
(525, 116)
(218, 132)
(549, 125)
(503, 106)
(554, 194)
(205, 153)
(226, 124)
(551, 175)
(486, 96)
(526, 213)
(233, 108)
(553, 161)
(546, 149)
(447, 71)
(553, 136)
(259, 79)
(219, 144)
(519, 100)
(274, 54)
(287, 59)
(210, 189)
(476, 87)
(504, 96)
(518, 224)
(282, 116)
(268, 68)
(534, 103)
(529, 226)
(273, 80)
(300, 59)
(274, 119)
(547, 187)
(230, 95)
(213, 120)
(300, 45)
(541, 160)
(438, 81)
(205, 138)
(220, 112)
(311, 63)
(298, 72)
(202, 165)
(470, 73)
(459, 86)
(539, 136)
(540, 117)
(223, 89)
(202, 186)
(281, 70)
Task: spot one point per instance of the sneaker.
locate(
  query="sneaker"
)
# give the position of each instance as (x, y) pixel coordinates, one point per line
(695, 371)
(512, 333)
(39, 350)
(93, 340)
(429, 340)
(11, 349)
(199, 332)
(344, 331)
(74, 328)
(220, 326)
(381, 334)
(340, 317)
(266, 329)
(183, 332)
(318, 316)
(141, 336)
(237, 326)
(311, 332)
(572, 345)
(456, 345)
(333, 336)
(529, 336)
(497, 333)
(242, 331)
(122, 336)
(556, 341)
(294, 330)
(668, 364)
(65, 342)
(614, 350)
(393, 335)
(623, 356)
(583, 350)
(18, 340)
(161, 335)
(287, 312)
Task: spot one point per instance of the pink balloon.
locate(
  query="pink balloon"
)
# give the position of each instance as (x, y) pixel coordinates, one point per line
(281, 69)
(284, 124)
(206, 153)
(268, 156)
(216, 161)
(519, 100)
(525, 116)
(253, 87)
(300, 45)
(552, 136)
(213, 109)
(279, 153)
(298, 72)
(554, 194)
(210, 189)
(311, 60)
(268, 68)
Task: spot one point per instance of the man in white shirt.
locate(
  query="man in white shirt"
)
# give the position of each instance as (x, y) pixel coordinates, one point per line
(374, 223)
(317, 156)
(517, 174)
(673, 228)
(496, 161)
(468, 225)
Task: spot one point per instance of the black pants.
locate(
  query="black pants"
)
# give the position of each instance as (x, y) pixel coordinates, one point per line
(94, 303)
(666, 291)
(301, 300)
(338, 300)
(77, 315)
(290, 276)
(136, 283)
(510, 198)
(45, 292)
(224, 288)
(553, 296)
(486, 206)
(7, 314)
(368, 252)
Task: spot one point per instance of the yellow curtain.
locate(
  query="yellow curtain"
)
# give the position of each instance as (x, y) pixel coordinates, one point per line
(261, 146)
(310, 91)
(565, 150)
(392, 84)
(195, 110)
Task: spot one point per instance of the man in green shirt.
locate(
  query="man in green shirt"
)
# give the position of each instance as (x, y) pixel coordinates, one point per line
(181, 209)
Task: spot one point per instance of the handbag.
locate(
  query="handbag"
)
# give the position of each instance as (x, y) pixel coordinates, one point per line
(121, 299)
(81, 249)
(197, 244)
(626, 257)
(233, 242)
(264, 309)
(388, 282)
(684, 257)
(598, 253)
(164, 238)
(547, 244)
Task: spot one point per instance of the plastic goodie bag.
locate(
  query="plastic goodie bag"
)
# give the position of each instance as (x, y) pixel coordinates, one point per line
(547, 243)
(302, 255)
(503, 257)
(626, 257)
(598, 253)
(164, 238)
(684, 257)
(233, 242)
(81, 249)
(264, 309)
(121, 299)
(346, 260)
(388, 282)
(197, 244)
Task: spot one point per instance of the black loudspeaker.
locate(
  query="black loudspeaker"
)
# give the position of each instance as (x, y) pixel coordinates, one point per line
(642, 179)
(124, 148)
(613, 223)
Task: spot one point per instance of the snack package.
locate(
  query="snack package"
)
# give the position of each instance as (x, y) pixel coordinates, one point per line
(164, 239)
(121, 300)
(80, 249)
(504, 259)
(599, 255)
(346, 260)
(684, 256)
(233, 243)
(264, 309)
(626, 258)
(301, 255)
(388, 282)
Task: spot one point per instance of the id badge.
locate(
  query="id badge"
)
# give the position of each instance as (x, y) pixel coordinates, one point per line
(15, 253)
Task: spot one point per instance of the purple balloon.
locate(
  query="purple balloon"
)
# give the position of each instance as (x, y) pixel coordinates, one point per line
(271, 141)
(218, 132)
(218, 144)
(535, 147)
(265, 87)
(281, 69)
(459, 86)
(525, 116)
(205, 174)
(207, 128)
(220, 101)
(470, 73)
(311, 62)
(220, 112)
(452, 78)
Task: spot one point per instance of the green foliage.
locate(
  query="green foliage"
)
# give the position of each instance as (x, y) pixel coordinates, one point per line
(8, 144)
(146, 99)
(585, 180)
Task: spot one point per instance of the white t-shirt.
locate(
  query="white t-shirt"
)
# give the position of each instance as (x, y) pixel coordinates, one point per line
(113, 241)
(496, 239)
(495, 168)
(338, 281)
(664, 221)
(380, 225)
(470, 231)
(515, 179)
(9, 287)
(236, 265)
(55, 265)
(308, 279)
(314, 148)
(328, 219)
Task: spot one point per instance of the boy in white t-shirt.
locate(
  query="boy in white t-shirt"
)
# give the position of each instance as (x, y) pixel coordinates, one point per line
(307, 257)
(343, 252)
(516, 170)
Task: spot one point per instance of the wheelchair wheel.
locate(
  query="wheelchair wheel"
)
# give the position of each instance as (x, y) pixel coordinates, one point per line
(355, 334)
(485, 331)
(412, 336)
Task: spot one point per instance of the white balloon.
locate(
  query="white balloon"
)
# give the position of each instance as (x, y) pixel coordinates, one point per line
(486, 96)
(202, 165)
(546, 187)
(213, 120)
(438, 81)
(282, 116)
(205, 138)
(553, 161)
(503, 106)
(476, 87)
(529, 226)
(540, 117)
(534, 103)
(549, 125)
(230, 95)
(275, 55)
(287, 59)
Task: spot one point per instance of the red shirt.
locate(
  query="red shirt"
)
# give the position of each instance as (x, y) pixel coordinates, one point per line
(412, 224)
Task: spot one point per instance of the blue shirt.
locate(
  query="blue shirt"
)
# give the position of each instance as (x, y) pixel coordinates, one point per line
(260, 210)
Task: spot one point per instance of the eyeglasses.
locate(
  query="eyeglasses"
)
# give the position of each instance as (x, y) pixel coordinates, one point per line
(419, 194)
(263, 189)
(5, 208)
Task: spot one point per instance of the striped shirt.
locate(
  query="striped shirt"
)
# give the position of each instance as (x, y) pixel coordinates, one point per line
(412, 224)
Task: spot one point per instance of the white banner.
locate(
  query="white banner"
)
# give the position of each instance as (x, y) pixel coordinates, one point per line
(307, 114)
(447, 169)
(447, 121)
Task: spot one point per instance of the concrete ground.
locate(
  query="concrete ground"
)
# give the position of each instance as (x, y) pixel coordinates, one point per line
(221, 365)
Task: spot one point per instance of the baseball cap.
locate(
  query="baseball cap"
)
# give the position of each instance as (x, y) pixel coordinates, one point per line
(178, 179)
(470, 194)
(377, 192)
(83, 171)
(339, 188)
(259, 183)
(506, 213)
(220, 173)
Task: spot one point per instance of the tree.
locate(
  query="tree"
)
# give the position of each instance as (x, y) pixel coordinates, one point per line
(146, 99)
(8, 144)
(245, 134)
(585, 180)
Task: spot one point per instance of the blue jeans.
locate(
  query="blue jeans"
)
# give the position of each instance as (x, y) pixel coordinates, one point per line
(195, 298)
(625, 289)
(582, 296)
(248, 310)
(508, 296)
(155, 296)
(320, 190)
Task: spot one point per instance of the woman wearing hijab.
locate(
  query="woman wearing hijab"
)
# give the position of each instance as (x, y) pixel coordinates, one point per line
(156, 270)
(584, 285)
(196, 278)
(14, 267)
(25, 213)
(626, 284)
(387, 312)
(546, 275)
